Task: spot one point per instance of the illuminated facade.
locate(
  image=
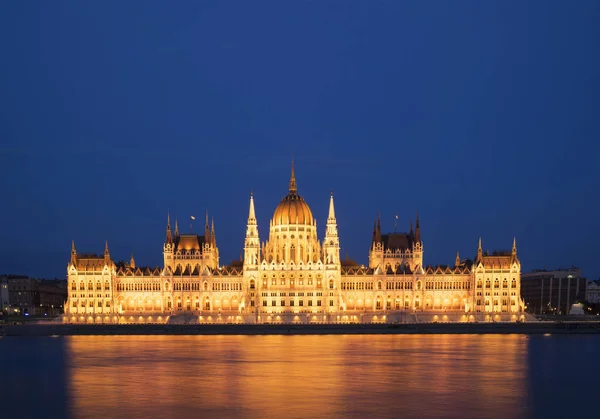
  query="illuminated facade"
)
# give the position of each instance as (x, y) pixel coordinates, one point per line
(294, 278)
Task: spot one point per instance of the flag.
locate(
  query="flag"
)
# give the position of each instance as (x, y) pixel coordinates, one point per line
(192, 217)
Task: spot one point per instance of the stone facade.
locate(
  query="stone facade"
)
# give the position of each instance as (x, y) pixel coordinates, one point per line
(294, 278)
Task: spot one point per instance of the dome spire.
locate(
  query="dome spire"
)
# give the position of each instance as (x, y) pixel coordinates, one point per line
(293, 187)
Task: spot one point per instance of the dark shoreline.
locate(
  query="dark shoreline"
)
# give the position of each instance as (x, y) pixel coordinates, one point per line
(307, 329)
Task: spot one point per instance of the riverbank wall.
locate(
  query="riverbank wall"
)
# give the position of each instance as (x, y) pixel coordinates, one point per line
(307, 329)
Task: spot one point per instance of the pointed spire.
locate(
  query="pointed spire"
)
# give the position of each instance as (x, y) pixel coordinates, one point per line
(514, 246)
(457, 262)
(169, 237)
(176, 228)
(213, 237)
(293, 186)
(73, 253)
(106, 252)
(479, 250)
(132, 262)
(206, 222)
(251, 213)
(331, 216)
(418, 230)
(378, 229)
(106, 247)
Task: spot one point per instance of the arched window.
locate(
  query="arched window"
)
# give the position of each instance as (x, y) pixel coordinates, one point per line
(379, 285)
(252, 284)
(331, 284)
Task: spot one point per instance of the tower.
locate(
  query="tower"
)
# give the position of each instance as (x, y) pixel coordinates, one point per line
(331, 244)
(376, 252)
(168, 247)
(106, 254)
(252, 242)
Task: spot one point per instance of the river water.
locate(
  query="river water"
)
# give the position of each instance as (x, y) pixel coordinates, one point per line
(325, 376)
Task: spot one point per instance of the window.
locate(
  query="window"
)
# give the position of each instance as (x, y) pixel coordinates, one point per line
(264, 303)
(251, 303)
(273, 303)
(291, 303)
(301, 303)
(318, 303)
(282, 303)
(310, 303)
(330, 303)
(331, 284)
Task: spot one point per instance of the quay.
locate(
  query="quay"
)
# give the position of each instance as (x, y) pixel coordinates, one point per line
(537, 328)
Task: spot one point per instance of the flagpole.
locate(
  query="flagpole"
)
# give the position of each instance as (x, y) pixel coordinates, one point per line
(395, 221)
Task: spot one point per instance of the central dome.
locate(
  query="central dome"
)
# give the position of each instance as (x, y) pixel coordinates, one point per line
(292, 209)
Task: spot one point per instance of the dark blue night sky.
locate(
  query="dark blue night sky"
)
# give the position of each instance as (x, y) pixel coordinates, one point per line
(483, 116)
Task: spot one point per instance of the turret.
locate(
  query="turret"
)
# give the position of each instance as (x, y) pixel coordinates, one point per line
(514, 250)
(293, 187)
(479, 251)
(378, 229)
(418, 230)
(106, 253)
(132, 262)
(73, 253)
(331, 244)
(457, 262)
(252, 242)
(176, 228)
(207, 230)
(213, 236)
(169, 238)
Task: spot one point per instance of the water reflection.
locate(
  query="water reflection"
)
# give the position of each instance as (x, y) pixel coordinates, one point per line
(298, 376)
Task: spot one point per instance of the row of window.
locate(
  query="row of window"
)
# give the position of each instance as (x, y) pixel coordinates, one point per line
(292, 282)
(292, 294)
(496, 302)
(357, 285)
(488, 283)
(90, 303)
(83, 295)
(90, 286)
(138, 287)
(451, 285)
(282, 303)
(291, 276)
(504, 293)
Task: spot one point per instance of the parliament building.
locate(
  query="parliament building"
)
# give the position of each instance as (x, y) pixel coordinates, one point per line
(293, 277)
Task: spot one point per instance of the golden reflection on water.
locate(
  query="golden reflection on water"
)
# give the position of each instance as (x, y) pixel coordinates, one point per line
(298, 376)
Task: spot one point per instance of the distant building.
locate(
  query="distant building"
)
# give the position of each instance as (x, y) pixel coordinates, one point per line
(53, 295)
(23, 294)
(294, 277)
(553, 291)
(29, 296)
(593, 292)
(3, 295)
